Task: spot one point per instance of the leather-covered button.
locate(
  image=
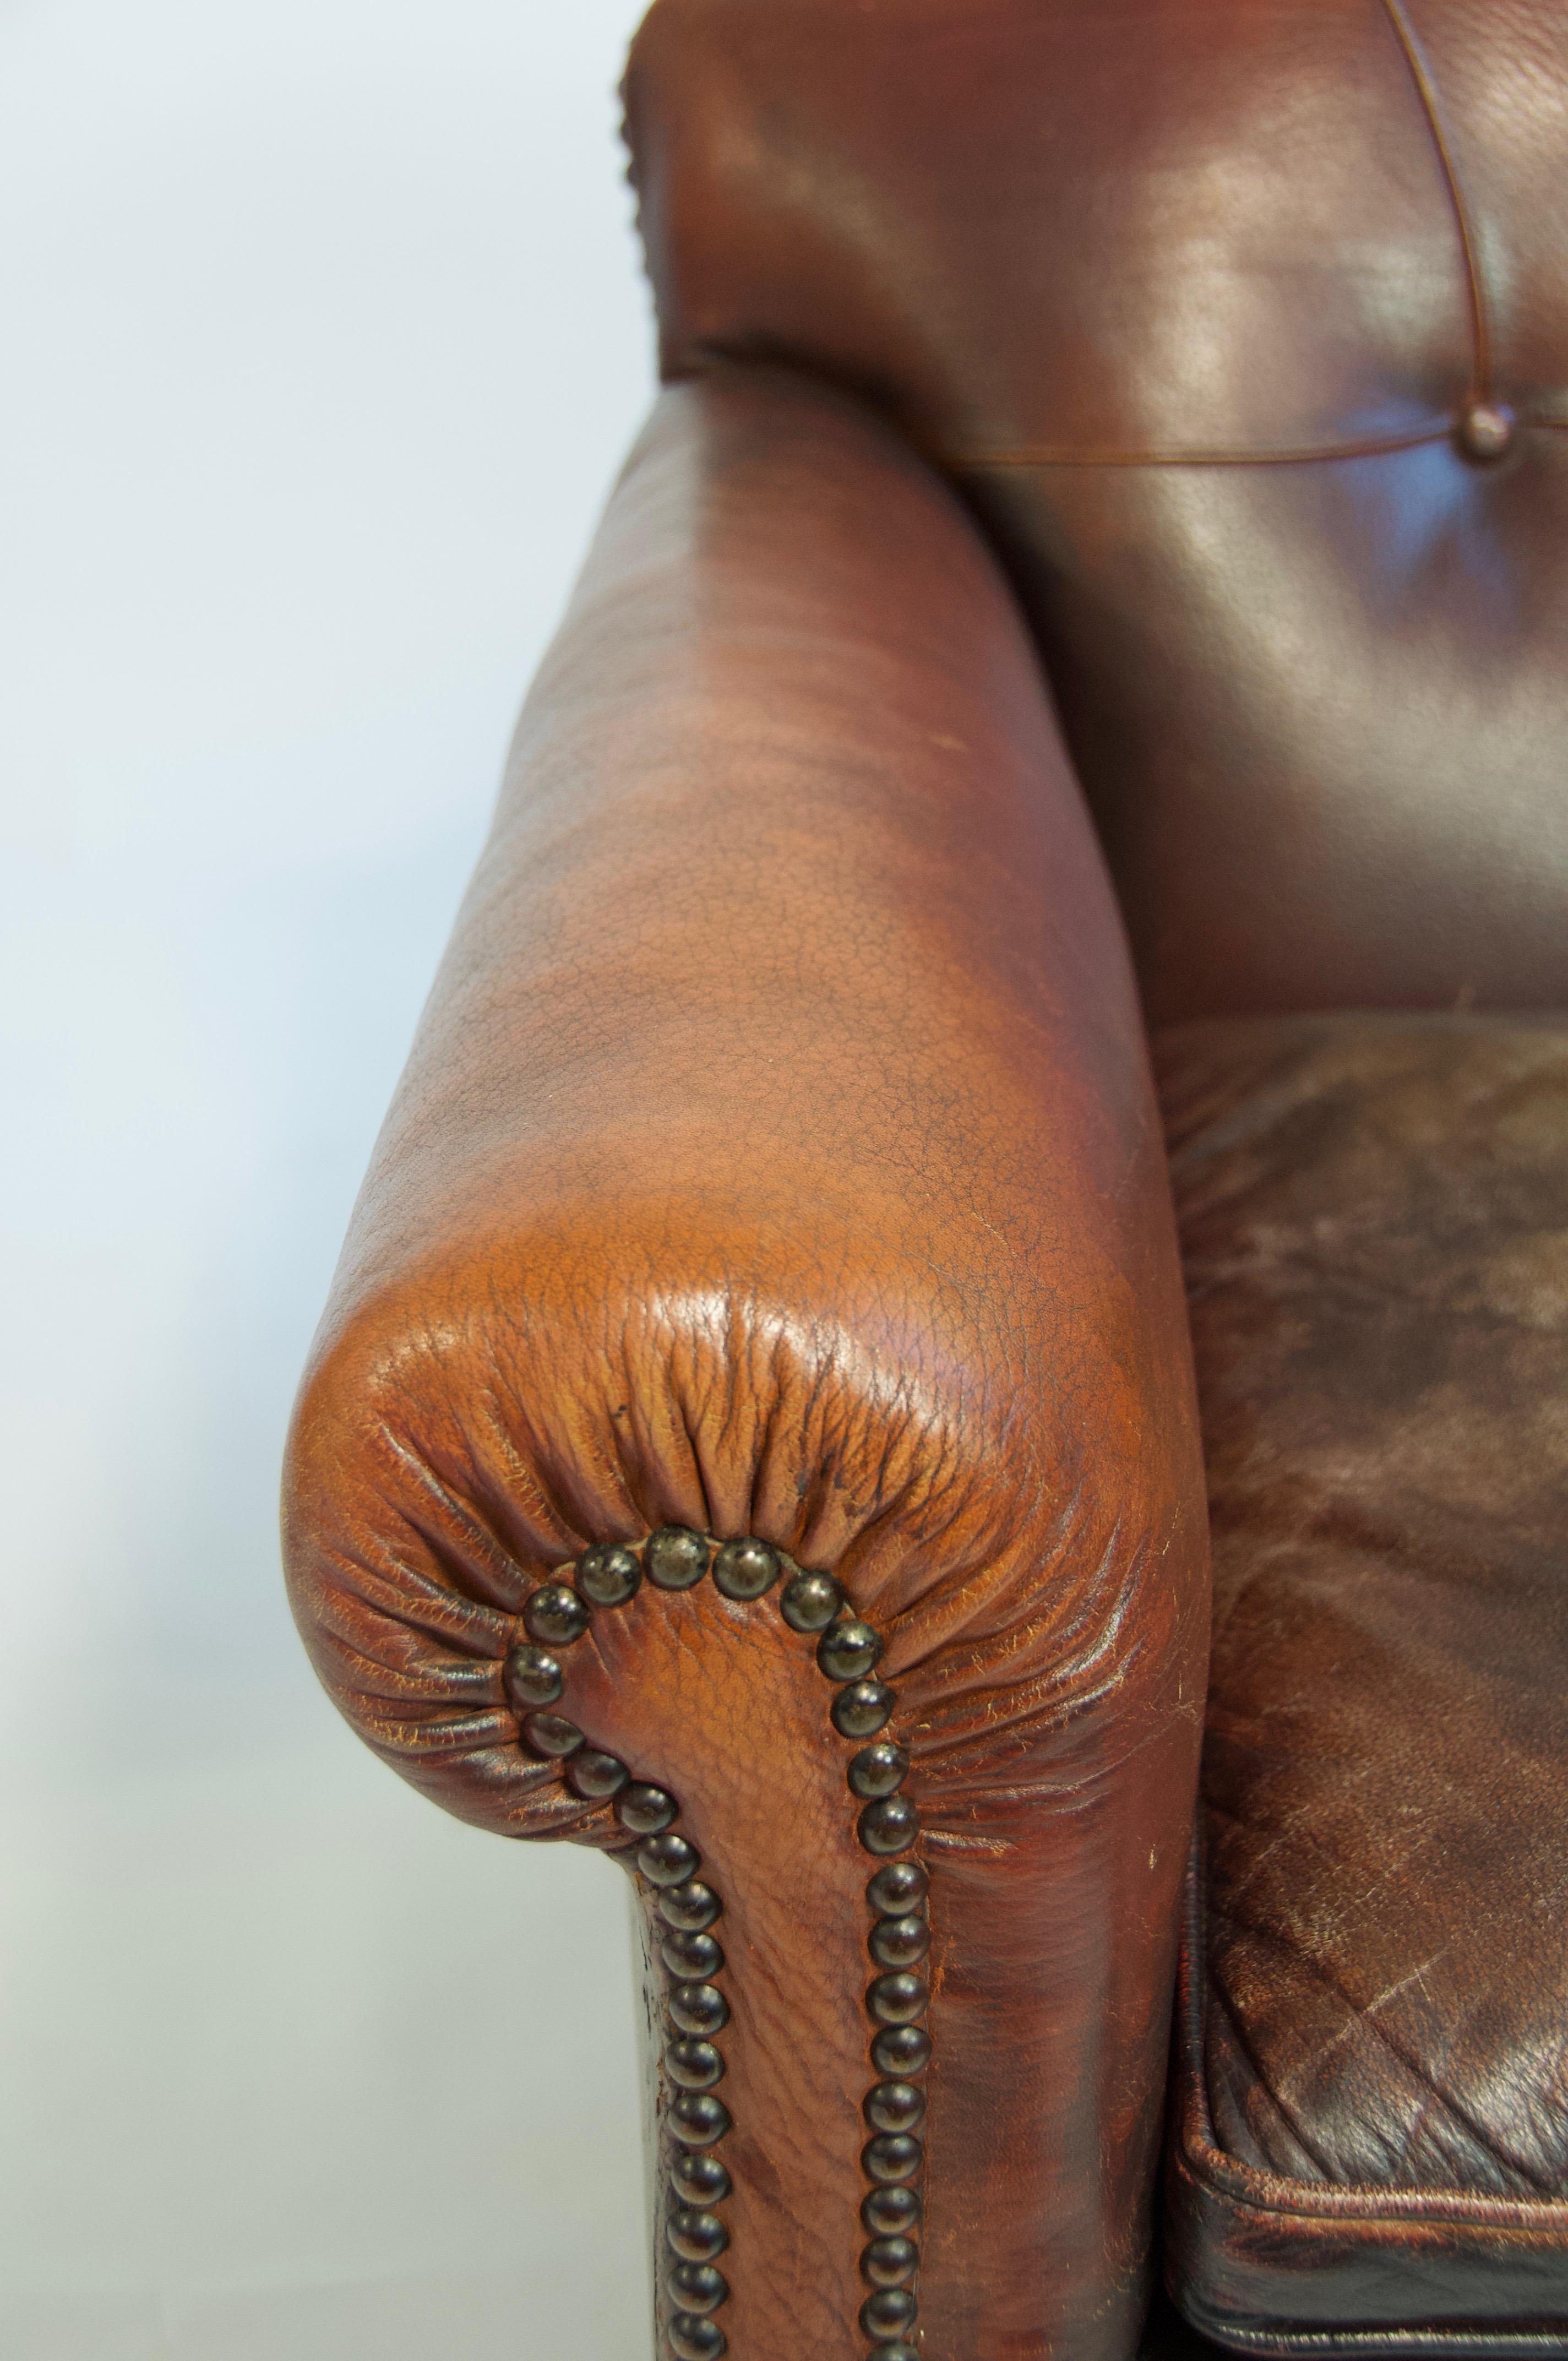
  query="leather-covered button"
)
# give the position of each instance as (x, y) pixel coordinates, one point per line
(1486, 429)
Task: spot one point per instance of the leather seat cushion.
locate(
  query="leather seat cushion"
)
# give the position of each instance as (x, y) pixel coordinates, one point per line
(1370, 2139)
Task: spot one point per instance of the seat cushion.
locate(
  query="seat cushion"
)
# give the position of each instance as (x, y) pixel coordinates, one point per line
(1370, 2138)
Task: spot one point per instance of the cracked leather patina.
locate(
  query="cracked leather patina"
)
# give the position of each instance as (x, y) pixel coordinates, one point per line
(1372, 2107)
(778, 1156)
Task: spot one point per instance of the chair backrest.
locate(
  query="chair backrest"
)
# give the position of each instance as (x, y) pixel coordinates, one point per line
(1244, 327)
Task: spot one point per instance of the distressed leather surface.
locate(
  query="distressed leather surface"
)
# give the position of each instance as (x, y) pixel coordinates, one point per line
(1190, 297)
(777, 1155)
(1372, 2104)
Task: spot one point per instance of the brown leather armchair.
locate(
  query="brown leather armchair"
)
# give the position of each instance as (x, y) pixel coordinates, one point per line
(1112, 489)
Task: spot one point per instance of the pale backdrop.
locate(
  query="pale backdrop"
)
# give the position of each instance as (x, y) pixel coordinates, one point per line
(323, 336)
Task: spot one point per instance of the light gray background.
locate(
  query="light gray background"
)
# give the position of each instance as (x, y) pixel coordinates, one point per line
(323, 336)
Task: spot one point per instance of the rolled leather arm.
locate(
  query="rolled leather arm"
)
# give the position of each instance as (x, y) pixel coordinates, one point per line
(776, 1161)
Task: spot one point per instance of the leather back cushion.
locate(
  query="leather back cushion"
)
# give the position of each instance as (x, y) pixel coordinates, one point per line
(1192, 299)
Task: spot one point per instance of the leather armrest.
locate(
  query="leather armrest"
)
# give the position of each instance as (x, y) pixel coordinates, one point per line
(777, 1157)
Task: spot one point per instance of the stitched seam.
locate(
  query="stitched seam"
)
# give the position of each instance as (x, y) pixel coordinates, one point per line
(1426, 90)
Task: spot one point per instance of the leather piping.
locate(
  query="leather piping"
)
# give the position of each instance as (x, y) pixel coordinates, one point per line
(708, 356)
(1505, 2343)
(1047, 454)
(1426, 89)
(1060, 456)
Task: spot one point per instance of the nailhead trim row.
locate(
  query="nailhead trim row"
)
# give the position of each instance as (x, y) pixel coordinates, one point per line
(556, 1616)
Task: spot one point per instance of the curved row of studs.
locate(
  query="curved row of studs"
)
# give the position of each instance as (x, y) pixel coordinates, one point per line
(556, 1616)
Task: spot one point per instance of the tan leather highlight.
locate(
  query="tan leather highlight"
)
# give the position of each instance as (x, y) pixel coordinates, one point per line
(777, 1155)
